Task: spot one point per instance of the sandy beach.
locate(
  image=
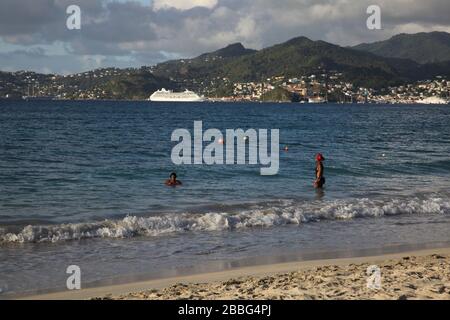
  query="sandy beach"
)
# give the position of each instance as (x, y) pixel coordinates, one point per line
(421, 274)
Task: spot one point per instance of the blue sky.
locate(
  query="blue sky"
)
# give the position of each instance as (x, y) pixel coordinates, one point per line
(124, 33)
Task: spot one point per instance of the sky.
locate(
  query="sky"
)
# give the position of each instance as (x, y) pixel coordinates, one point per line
(134, 33)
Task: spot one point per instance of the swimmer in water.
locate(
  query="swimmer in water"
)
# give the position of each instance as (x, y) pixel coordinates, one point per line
(320, 179)
(173, 182)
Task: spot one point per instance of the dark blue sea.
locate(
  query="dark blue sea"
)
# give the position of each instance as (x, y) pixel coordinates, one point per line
(82, 183)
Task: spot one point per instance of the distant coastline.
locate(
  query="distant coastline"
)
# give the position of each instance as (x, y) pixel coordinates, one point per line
(227, 101)
(297, 70)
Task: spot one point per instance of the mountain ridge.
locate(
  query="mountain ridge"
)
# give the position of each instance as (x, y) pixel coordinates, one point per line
(215, 72)
(431, 47)
(298, 56)
(232, 50)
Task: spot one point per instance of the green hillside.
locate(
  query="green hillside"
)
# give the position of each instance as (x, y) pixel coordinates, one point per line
(294, 58)
(423, 48)
(214, 74)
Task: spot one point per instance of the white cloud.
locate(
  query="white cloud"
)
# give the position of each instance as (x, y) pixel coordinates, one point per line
(415, 28)
(134, 33)
(183, 4)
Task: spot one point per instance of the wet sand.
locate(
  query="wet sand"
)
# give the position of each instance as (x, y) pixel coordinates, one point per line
(412, 275)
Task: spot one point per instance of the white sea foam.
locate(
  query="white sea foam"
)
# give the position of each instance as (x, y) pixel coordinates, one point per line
(284, 213)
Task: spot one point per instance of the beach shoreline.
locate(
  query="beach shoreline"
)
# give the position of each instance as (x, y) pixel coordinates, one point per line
(412, 274)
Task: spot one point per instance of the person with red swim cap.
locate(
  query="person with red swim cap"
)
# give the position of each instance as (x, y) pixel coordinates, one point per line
(320, 179)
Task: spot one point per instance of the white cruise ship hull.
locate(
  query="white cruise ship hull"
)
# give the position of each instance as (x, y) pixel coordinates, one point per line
(433, 100)
(168, 99)
(170, 96)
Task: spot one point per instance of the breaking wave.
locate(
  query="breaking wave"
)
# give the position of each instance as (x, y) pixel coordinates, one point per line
(283, 213)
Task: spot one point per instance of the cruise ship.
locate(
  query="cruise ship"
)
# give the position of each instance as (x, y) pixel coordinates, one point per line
(433, 100)
(317, 100)
(170, 96)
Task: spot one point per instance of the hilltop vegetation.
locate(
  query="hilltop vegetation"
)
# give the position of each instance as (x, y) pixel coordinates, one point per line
(279, 95)
(433, 47)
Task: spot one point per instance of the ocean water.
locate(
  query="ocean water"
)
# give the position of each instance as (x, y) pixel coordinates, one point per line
(82, 183)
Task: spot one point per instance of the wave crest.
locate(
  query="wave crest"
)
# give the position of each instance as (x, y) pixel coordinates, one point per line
(284, 213)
